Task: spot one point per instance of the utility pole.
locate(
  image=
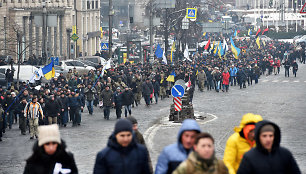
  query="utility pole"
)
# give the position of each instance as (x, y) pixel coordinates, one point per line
(76, 30)
(110, 30)
(19, 41)
(166, 33)
(44, 33)
(151, 31)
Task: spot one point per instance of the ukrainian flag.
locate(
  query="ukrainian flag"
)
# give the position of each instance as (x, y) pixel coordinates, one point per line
(172, 50)
(171, 77)
(49, 71)
(235, 50)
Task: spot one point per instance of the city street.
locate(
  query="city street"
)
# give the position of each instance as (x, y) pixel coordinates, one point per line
(279, 99)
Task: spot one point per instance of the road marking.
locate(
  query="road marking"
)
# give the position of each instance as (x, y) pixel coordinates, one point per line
(274, 81)
(265, 80)
(285, 81)
(305, 81)
(150, 133)
(296, 81)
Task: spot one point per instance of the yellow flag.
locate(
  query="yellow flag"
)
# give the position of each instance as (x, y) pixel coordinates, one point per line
(210, 21)
(212, 48)
(101, 30)
(215, 51)
(170, 78)
(197, 72)
(258, 42)
(172, 50)
(204, 34)
(264, 43)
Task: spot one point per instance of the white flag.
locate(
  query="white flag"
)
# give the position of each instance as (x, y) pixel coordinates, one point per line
(36, 75)
(186, 53)
(164, 57)
(225, 47)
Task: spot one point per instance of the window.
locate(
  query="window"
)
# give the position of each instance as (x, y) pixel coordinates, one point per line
(93, 4)
(88, 5)
(97, 5)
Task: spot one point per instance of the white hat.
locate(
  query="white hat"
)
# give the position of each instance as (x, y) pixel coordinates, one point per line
(49, 133)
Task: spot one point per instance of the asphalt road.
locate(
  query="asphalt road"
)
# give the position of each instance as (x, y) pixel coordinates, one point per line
(279, 99)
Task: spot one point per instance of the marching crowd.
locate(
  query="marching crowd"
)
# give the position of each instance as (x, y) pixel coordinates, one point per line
(64, 98)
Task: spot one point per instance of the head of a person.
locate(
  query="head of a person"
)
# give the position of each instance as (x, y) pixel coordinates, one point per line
(123, 132)
(266, 137)
(118, 89)
(106, 87)
(49, 138)
(204, 145)
(133, 121)
(188, 133)
(34, 99)
(52, 97)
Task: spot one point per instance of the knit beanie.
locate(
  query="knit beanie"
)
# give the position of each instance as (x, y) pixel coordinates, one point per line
(123, 125)
(47, 134)
(267, 128)
(132, 119)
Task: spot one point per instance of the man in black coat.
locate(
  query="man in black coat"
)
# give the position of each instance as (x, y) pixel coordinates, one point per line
(268, 156)
(53, 109)
(127, 100)
(122, 154)
(147, 90)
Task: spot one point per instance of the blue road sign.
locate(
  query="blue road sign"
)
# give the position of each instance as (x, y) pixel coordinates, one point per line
(104, 46)
(191, 13)
(177, 91)
(55, 60)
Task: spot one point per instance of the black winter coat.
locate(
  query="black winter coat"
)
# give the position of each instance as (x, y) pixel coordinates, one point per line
(147, 88)
(52, 108)
(40, 162)
(127, 98)
(115, 159)
(259, 161)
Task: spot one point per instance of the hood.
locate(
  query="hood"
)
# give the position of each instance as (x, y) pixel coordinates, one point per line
(188, 125)
(247, 119)
(277, 135)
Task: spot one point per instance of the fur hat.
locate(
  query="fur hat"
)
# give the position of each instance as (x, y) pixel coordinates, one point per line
(49, 133)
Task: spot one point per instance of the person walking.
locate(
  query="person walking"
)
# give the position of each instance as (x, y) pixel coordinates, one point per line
(127, 101)
(287, 67)
(203, 159)
(240, 142)
(268, 156)
(53, 109)
(225, 80)
(233, 73)
(172, 155)
(295, 67)
(156, 88)
(107, 98)
(122, 154)
(89, 92)
(64, 110)
(147, 90)
(201, 79)
(74, 106)
(31, 112)
(49, 154)
(118, 102)
(20, 111)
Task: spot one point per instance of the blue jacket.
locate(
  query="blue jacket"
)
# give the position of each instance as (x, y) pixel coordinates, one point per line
(174, 154)
(115, 159)
(74, 101)
(233, 71)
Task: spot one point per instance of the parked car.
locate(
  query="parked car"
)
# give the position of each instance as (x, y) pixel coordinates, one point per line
(301, 39)
(81, 67)
(26, 71)
(93, 59)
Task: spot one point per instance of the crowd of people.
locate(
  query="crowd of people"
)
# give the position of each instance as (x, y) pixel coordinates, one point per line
(65, 97)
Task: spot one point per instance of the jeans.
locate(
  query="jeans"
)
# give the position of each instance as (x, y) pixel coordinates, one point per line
(89, 106)
(210, 85)
(147, 99)
(118, 111)
(286, 72)
(256, 79)
(10, 118)
(64, 117)
(156, 96)
(127, 108)
(225, 87)
(75, 115)
(218, 85)
(106, 110)
(233, 79)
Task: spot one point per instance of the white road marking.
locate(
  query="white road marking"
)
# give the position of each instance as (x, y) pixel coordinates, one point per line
(265, 80)
(285, 81)
(296, 81)
(274, 81)
(150, 133)
(305, 81)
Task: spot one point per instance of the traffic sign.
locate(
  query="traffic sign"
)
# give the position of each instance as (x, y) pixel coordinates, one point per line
(303, 10)
(177, 91)
(191, 13)
(177, 104)
(74, 37)
(104, 46)
(55, 60)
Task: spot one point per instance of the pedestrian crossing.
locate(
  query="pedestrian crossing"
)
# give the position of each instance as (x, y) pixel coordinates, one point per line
(283, 81)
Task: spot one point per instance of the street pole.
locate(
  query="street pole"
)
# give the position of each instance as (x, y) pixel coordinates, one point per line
(110, 30)
(19, 55)
(44, 31)
(76, 30)
(166, 33)
(151, 31)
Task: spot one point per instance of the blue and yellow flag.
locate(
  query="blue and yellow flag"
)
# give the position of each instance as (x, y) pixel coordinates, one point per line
(249, 32)
(171, 77)
(48, 71)
(235, 33)
(172, 50)
(235, 50)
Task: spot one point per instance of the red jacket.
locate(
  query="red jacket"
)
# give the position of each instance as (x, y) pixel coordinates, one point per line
(225, 76)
